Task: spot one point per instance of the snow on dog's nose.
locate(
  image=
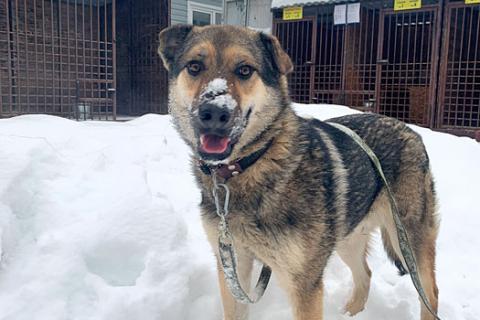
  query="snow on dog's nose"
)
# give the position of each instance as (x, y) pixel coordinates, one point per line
(214, 116)
(216, 93)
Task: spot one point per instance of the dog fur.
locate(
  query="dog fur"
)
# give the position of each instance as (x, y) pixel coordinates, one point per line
(314, 191)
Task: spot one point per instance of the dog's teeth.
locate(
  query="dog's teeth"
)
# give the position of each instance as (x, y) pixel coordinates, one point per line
(235, 173)
(231, 167)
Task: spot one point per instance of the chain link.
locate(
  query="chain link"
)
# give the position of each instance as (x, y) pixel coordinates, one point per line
(222, 212)
(227, 254)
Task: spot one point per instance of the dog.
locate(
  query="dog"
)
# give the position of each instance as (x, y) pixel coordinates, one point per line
(300, 189)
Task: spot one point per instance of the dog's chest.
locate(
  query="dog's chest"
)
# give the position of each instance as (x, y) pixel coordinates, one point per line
(260, 230)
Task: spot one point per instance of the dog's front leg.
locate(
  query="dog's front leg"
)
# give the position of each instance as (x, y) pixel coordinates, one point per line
(306, 299)
(308, 303)
(233, 310)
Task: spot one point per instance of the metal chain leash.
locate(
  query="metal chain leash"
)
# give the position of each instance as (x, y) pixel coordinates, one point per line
(405, 246)
(227, 251)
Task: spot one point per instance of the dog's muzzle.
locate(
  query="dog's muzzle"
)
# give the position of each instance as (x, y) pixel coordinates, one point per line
(213, 119)
(214, 125)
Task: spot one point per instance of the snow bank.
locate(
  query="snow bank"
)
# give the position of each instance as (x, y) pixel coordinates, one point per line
(100, 221)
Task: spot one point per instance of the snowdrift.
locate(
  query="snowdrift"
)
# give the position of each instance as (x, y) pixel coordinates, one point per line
(100, 221)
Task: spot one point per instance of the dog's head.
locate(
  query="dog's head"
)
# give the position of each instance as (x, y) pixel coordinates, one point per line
(227, 86)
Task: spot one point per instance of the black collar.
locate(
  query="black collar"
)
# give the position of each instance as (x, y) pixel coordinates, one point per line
(236, 167)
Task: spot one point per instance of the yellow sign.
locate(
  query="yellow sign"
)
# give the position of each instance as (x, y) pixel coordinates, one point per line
(292, 13)
(407, 4)
(472, 1)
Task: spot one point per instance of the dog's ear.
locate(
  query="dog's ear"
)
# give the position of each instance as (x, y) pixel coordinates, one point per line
(278, 56)
(171, 40)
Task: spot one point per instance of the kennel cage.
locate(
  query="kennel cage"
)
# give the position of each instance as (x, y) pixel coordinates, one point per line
(420, 65)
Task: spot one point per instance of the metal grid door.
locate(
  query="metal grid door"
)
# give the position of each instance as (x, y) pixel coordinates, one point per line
(359, 72)
(345, 64)
(406, 65)
(328, 77)
(298, 39)
(460, 69)
(57, 57)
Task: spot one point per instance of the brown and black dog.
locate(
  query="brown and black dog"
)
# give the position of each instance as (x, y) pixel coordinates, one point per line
(300, 188)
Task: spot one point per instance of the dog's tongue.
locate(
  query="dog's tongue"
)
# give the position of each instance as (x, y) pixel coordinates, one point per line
(214, 144)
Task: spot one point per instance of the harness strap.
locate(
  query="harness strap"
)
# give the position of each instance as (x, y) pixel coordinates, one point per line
(405, 246)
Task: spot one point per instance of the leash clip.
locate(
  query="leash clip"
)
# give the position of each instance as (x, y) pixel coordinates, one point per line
(227, 254)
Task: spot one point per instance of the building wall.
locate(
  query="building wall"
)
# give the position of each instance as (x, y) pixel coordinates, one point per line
(235, 13)
(217, 3)
(259, 14)
(179, 12)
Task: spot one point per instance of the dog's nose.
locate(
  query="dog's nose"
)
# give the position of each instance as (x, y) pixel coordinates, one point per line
(212, 116)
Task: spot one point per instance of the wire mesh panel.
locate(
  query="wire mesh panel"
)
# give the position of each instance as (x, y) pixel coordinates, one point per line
(57, 57)
(298, 40)
(143, 82)
(345, 64)
(359, 73)
(407, 69)
(328, 83)
(460, 78)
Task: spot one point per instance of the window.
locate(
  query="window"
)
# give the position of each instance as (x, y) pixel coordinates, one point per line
(200, 14)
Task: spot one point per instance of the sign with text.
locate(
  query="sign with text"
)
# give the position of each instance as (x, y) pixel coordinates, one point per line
(472, 1)
(292, 13)
(346, 13)
(407, 4)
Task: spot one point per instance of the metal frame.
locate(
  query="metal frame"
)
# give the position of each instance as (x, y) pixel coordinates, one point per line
(459, 90)
(417, 89)
(60, 56)
(407, 71)
(302, 54)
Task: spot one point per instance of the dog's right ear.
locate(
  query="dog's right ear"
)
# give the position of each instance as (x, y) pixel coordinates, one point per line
(171, 40)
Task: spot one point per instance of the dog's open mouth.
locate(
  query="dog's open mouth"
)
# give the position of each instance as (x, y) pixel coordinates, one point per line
(213, 144)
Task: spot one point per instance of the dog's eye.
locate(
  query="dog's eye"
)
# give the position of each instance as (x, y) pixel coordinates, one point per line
(194, 68)
(244, 72)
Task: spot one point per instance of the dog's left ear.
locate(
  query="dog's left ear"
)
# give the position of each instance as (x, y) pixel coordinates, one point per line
(171, 41)
(279, 57)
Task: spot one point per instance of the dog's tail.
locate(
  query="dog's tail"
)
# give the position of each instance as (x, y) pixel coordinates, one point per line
(392, 255)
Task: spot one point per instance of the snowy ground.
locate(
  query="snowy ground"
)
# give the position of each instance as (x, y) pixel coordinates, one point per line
(100, 221)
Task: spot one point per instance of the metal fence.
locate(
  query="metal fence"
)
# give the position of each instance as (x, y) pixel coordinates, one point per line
(406, 64)
(57, 57)
(460, 68)
(391, 62)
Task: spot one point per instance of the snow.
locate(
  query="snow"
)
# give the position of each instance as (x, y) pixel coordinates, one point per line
(214, 89)
(292, 3)
(100, 220)
(216, 85)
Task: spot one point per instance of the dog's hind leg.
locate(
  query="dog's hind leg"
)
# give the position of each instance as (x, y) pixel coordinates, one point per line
(416, 203)
(426, 266)
(353, 252)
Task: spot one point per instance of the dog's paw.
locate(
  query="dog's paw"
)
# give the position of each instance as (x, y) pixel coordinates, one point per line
(354, 306)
